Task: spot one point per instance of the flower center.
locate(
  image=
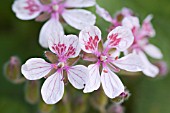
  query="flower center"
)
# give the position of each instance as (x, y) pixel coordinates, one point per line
(55, 7)
(103, 58)
(60, 65)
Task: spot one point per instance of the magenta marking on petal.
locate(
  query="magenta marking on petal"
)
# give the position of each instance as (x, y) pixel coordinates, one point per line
(70, 51)
(59, 48)
(92, 43)
(114, 41)
(32, 7)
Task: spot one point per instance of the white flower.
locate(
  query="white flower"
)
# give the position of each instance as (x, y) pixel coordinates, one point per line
(141, 44)
(119, 39)
(77, 18)
(65, 48)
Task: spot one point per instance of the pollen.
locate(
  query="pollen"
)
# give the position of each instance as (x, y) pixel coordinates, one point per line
(116, 58)
(103, 58)
(105, 71)
(55, 7)
(60, 65)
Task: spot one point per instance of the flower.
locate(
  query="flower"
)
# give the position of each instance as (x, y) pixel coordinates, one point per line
(77, 18)
(66, 52)
(141, 34)
(117, 19)
(141, 44)
(118, 39)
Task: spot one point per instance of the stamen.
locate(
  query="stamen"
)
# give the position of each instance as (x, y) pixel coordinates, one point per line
(116, 58)
(106, 71)
(60, 65)
(54, 66)
(55, 7)
(103, 58)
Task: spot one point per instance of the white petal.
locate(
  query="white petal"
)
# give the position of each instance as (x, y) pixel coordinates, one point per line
(35, 68)
(73, 46)
(51, 27)
(103, 13)
(93, 82)
(77, 75)
(149, 70)
(111, 83)
(26, 9)
(115, 54)
(130, 62)
(147, 27)
(153, 51)
(131, 22)
(120, 38)
(79, 18)
(79, 3)
(89, 39)
(53, 89)
(126, 12)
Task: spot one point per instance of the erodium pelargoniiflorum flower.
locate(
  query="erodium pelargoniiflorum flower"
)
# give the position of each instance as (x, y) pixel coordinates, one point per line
(107, 57)
(66, 49)
(141, 35)
(42, 10)
(117, 19)
(141, 43)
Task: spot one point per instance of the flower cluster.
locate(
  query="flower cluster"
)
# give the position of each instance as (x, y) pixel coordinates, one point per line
(125, 36)
(141, 45)
(52, 10)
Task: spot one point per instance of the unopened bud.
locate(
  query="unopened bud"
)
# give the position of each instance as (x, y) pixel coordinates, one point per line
(45, 108)
(115, 108)
(64, 105)
(12, 70)
(99, 100)
(32, 91)
(122, 97)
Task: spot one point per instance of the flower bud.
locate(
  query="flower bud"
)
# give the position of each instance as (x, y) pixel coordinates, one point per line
(99, 100)
(122, 97)
(45, 108)
(12, 70)
(80, 101)
(115, 108)
(32, 91)
(64, 105)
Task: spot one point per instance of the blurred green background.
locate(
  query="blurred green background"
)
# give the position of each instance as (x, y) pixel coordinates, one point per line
(20, 38)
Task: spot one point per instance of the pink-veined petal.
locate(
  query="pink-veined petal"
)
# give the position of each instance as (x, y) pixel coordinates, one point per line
(153, 51)
(79, 18)
(51, 27)
(53, 88)
(131, 22)
(79, 3)
(58, 44)
(26, 9)
(111, 83)
(89, 39)
(35, 68)
(149, 70)
(73, 46)
(77, 75)
(147, 27)
(93, 82)
(103, 13)
(120, 38)
(130, 62)
(115, 54)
